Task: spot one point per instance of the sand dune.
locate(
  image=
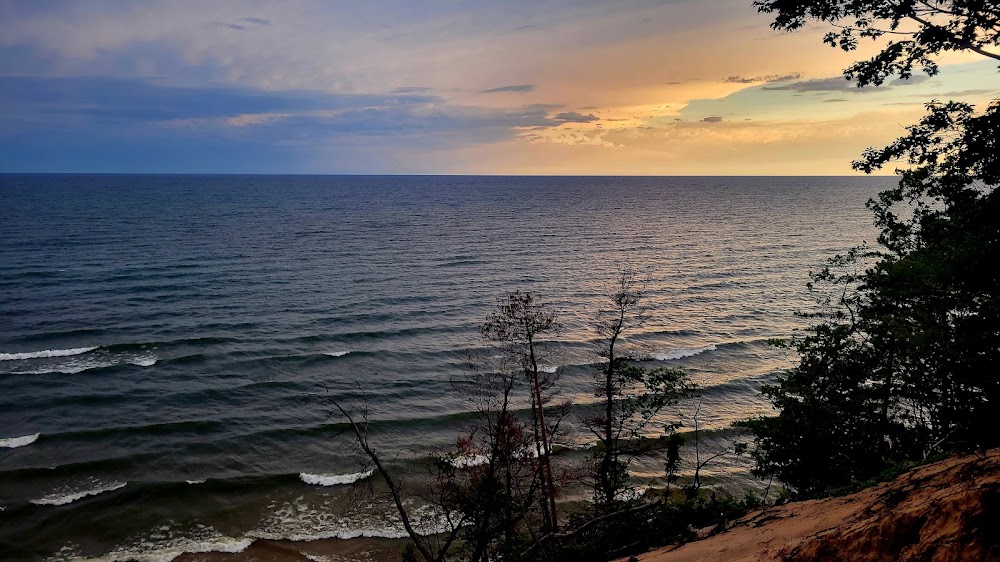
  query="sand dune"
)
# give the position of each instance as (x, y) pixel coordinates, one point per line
(945, 511)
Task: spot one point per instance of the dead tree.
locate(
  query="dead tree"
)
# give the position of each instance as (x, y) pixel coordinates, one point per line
(515, 328)
(428, 550)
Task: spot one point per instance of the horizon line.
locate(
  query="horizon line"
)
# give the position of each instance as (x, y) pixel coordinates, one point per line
(345, 174)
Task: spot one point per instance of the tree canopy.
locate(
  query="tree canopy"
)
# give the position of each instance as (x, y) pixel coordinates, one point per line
(916, 30)
(902, 363)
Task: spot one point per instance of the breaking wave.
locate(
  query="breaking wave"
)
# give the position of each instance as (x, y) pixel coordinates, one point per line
(45, 353)
(682, 352)
(15, 442)
(79, 365)
(62, 498)
(333, 479)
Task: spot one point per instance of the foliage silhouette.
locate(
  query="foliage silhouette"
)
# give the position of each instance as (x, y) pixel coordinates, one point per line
(631, 396)
(901, 364)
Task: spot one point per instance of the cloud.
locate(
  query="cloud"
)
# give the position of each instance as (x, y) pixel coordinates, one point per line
(574, 117)
(240, 26)
(965, 93)
(841, 84)
(247, 119)
(834, 84)
(817, 146)
(234, 26)
(712, 119)
(273, 75)
(756, 79)
(39, 117)
(911, 81)
(116, 100)
(513, 88)
(411, 90)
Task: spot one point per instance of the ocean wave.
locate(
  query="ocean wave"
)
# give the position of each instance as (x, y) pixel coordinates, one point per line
(15, 442)
(162, 428)
(336, 353)
(548, 368)
(467, 461)
(194, 482)
(46, 353)
(147, 361)
(62, 498)
(333, 479)
(682, 352)
(302, 522)
(631, 494)
(163, 546)
(75, 366)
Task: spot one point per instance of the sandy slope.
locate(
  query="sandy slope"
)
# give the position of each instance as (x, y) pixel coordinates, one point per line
(946, 511)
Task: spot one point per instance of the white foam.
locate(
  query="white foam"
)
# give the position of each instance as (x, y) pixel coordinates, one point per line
(193, 482)
(466, 461)
(45, 353)
(163, 546)
(682, 352)
(147, 360)
(15, 442)
(632, 494)
(316, 557)
(63, 498)
(333, 479)
(336, 353)
(303, 522)
(81, 364)
(549, 368)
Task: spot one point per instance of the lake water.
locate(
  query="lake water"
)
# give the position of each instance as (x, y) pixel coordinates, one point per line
(168, 343)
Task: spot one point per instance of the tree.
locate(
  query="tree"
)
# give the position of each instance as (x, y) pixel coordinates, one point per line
(707, 452)
(935, 288)
(631, 396)
(915, 31)
(901, 365)
(496, 490)
(431, 549)
(516, 329)
(493, 478)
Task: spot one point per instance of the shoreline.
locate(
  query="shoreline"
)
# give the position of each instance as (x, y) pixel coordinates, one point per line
(325, 550)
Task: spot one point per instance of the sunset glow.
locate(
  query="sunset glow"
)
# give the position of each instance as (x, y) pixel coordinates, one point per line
(664, 88)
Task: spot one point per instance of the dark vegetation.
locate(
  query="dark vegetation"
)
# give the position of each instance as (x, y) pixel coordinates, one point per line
(902, 362)
(494, 496)
(899, 367)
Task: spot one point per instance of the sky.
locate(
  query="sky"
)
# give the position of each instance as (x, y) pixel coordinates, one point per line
(667, 87)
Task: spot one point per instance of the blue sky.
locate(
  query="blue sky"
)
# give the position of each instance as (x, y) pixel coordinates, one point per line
(644, 87)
